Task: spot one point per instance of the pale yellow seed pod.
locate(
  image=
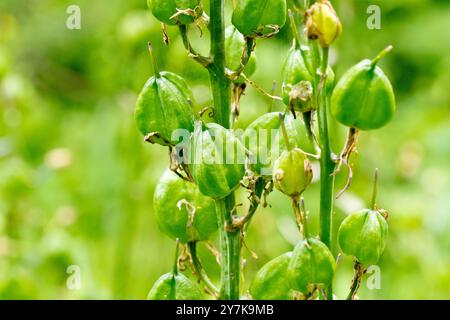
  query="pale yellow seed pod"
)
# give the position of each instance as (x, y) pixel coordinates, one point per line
(322, 23)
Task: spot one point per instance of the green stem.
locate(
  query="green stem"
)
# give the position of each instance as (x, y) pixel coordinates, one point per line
(327, 165)
(230, 249)
(201, 273)
(359, 272)
(284, 132)
(220, 84)
(175, 263)
(230, 240)
(152, 56)
(381, 55)
(375, 190)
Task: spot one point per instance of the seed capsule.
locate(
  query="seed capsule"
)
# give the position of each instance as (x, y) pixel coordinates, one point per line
(292, 172)
(217, 160)
(172, 12)
(181, 211)
(163, 106)
(272, 281)
(364, 235)
(174, 287)
(363, 98)
(234, 48)
(312, 265)
(322, 23)
(297, 79)
(259, 17)
(264, 140)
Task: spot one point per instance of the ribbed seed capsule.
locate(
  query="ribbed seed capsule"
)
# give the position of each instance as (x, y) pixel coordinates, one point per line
(363, 98)
(272, 281)
(174, 12)
(174, 287)
(297, 79)
(292, 172)
(312, 265)
(182, 211)
(364, 235)
(259, 17)
(216, 160)
(163, 106)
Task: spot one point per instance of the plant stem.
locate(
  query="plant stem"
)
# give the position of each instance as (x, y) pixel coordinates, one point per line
(359, 271)
(175, 263)
(327, 165)
(230, 239)
(300, 217)
(220, 84)
(230, 249)
(381, 55)
(375, 190)
(198, 269)
(152, 56)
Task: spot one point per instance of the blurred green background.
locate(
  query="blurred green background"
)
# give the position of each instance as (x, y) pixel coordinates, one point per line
(77, 180)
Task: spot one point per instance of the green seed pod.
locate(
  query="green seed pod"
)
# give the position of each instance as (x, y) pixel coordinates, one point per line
(264, 140)
(172, 12)
(181, 211)
(364, 235)
(216, 160)
(363, 98)
(164, 105)
(272, 281)
(234, 48)
(296, 74)
(174, 287)
(312, 264)
(322, 23)
(259, 17)
(292, 172)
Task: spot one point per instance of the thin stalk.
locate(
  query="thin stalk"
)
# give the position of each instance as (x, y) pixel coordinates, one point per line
(298, 40)
(327, 165)
(244, 221)
(300, 216)
(175, 263)
(153, 58)
(200, 272)
(375, 190)
(359, 271)
(284, 132)
(381, 55)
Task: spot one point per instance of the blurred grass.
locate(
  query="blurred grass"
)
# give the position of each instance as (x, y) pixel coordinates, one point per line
(76, 179)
